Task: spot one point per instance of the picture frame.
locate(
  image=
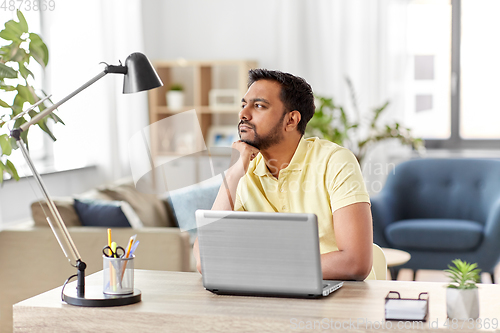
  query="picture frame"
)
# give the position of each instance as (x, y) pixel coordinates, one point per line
(222, 136)
(224, 99)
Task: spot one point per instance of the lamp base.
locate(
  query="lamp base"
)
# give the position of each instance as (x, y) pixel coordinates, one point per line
(96, 298)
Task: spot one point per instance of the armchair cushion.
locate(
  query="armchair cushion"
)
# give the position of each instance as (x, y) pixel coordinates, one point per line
(435, 234)
(185, 201)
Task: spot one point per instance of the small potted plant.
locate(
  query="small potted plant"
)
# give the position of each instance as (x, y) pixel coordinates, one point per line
(175, 97)
(462, 299)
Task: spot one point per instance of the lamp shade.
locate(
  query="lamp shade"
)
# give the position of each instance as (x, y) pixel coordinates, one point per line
(140, 74)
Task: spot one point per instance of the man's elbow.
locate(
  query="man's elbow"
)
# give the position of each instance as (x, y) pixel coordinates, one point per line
(360, 274)
(359, 271)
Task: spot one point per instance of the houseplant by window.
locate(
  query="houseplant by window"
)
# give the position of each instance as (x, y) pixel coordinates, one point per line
(175, 97)
(462, 298)
(331, 122)
(16, 86)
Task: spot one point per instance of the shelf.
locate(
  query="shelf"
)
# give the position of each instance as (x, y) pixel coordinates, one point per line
(199, 109)
(199, 78)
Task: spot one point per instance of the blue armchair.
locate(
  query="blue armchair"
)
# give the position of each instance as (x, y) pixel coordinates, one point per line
(439, 210)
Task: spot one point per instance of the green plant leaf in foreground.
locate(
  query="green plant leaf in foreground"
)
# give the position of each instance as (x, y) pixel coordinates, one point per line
(11, 169)
(15, 54)
(5, 144)
(22, 21)
(7, 72)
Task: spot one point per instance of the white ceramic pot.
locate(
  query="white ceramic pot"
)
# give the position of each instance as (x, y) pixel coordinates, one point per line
(462, 304)
(175, 100)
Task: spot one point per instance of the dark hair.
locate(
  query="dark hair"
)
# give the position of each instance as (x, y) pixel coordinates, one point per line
(296, 93)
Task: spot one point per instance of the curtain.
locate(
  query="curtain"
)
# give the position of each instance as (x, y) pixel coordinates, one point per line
(328, 41)
(100, 120)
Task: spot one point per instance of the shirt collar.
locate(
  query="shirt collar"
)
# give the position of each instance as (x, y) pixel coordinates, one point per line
(297, 162)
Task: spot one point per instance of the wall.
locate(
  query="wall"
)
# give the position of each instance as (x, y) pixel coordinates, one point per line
(323, 41)
(16, 197)
(218, 29)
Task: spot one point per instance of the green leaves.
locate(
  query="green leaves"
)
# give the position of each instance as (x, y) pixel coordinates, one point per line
(14, 30)
(332, 122)
(8, 167)
(463, 275)
(38, 50)
(22, 21)
(5, 144)
(14, 60)
(7, 72)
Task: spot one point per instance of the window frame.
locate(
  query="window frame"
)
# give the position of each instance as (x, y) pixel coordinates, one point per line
(455, 141)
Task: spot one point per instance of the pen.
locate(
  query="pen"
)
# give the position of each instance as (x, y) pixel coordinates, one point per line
(134, 247)
(129, 247)
(130, 251)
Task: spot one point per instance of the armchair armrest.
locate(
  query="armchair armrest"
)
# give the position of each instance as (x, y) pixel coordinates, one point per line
(492, 231)
(382, 217)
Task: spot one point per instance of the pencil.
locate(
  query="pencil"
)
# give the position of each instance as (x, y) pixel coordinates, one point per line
(129, 247)
(109, 237)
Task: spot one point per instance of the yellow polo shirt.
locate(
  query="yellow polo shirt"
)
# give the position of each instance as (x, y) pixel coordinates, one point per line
(321, 178)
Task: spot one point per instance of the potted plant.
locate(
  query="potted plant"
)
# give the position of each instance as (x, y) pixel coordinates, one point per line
(331, 122)
(175, 97)
(462, 299)
(17, 91)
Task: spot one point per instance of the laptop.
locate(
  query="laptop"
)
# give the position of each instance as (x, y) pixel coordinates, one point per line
(261, 254)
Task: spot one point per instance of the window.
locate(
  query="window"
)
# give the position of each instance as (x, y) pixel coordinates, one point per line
(429, 47)
(480, 54)
(453, 69)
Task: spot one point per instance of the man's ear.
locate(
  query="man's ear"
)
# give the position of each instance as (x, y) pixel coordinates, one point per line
(293, 120)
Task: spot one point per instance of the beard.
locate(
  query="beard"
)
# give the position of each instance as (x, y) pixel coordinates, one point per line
(260, 142)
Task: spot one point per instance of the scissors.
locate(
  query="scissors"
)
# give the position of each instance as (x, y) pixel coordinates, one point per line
(108, 252)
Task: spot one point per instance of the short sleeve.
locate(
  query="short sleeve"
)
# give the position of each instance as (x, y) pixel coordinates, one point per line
(238, 205)
(345, 180)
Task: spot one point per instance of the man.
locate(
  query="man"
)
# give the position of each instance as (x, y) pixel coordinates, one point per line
(280, 171)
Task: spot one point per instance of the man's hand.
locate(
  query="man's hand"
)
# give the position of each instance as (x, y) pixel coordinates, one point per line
(246, 154)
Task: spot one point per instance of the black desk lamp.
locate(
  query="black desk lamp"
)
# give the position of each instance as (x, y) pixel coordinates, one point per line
(139, 76)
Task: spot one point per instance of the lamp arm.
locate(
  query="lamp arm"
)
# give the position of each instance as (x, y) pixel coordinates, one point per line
(50, 109)
(58, 227)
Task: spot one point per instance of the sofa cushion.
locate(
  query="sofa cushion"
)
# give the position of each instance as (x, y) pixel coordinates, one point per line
(435, 234)
(185, 201)
(150, 209)
(63, 205)
(104, 213)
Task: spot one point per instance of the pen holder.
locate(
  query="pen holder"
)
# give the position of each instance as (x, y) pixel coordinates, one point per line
(118, 275)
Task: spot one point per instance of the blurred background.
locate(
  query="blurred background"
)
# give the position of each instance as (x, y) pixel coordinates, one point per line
(434, 61)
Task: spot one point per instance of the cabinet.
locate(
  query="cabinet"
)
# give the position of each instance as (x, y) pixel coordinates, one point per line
(213, 89)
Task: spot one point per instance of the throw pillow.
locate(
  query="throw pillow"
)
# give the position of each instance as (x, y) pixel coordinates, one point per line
(63, 205)
(101, 213)
(148, 207)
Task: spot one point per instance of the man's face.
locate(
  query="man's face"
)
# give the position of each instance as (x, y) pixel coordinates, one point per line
(262, 114)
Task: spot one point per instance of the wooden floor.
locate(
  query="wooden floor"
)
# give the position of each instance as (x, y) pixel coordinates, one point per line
(439, 276)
